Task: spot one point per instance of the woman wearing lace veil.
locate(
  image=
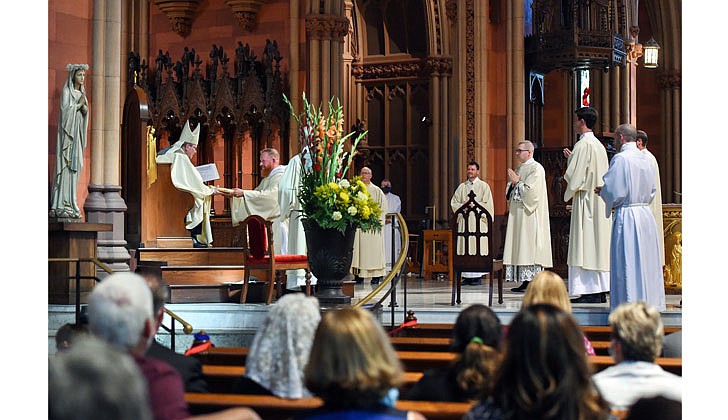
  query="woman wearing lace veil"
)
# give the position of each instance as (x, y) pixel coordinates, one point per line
(281, 348)
(72, 127)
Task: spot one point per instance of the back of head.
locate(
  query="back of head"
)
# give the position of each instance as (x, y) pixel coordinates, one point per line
(548, 287)
(352, 362)
(476, 336)
(119, 307)
(657, 407)
(638, 328)
(158, 287)
(589, 115)
(282, 345)
(641, 135)
(627, 130)
(68, 333)
(545, 373)
(92, 380)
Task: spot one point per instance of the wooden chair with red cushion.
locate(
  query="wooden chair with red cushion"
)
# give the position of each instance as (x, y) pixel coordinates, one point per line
(259, 254)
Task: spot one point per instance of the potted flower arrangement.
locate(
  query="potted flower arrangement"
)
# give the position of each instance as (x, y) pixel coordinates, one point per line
(333, 207)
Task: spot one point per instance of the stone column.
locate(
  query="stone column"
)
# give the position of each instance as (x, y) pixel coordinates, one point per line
(104, 203)
(326, 28)
(515, 105)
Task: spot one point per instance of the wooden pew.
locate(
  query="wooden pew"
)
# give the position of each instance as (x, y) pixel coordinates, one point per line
(275, 408)
(443, 344)
(221, 378)
(412, 361)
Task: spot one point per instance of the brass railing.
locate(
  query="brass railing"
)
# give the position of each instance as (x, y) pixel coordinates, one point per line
(396, 273)
(186, 327)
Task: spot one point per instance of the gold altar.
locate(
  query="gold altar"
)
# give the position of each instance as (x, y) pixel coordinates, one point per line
(672, 222)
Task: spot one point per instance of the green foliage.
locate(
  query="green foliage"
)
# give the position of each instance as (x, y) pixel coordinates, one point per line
(326, 196)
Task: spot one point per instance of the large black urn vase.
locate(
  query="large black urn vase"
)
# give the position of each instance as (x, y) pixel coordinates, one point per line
(329, 257)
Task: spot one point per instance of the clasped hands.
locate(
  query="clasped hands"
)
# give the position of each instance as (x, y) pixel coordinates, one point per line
(513, 177)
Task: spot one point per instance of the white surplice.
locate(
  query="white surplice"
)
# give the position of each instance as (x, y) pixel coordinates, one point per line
(636, 272)
(528, 235)
(262, 201)
(291, 214)
(368, 259)
(589, 230)
(484, 197)
(394, 205)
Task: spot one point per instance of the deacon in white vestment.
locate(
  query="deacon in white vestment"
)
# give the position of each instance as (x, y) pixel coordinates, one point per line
(291, 215)
(368, 259)
(394, 205)
(263, 200)
(589, 231)
(629, 187)
(484, 197)
(656, 204)
(186, 177)
(528, 235)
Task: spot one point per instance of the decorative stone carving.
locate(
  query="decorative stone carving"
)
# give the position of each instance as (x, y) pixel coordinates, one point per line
(246, 12)
(420, 68)
(180, 13)
(439, 65)
(470, 79)
(451, 10)
(330, 27)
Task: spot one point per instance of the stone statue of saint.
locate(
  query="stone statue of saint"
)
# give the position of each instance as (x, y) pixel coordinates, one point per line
(72, 127)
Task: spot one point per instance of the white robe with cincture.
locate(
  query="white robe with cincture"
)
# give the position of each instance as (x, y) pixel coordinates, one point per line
(394, 205)
(636, 272)
(656, 206)
(262, 201)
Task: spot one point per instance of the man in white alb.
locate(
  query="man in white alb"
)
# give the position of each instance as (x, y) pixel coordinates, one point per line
(656, 204)
(368, 259)
(590, 228)
(394, 205)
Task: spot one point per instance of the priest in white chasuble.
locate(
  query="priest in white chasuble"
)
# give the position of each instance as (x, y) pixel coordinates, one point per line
(369, 259)
(528, 235)
(186, 177)
(263, 200)
(484, 197)
(590, 229)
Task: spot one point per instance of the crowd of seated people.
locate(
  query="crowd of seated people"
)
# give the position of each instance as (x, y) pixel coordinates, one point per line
(536, 367)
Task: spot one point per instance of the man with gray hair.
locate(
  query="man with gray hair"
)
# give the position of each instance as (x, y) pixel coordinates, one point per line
(120, 312)
(527, 249)
(634, 260)
(637, 334)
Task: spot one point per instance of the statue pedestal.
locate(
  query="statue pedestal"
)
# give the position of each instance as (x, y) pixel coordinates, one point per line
(71, 240)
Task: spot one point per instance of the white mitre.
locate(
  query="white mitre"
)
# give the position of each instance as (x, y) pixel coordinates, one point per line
(187, 136)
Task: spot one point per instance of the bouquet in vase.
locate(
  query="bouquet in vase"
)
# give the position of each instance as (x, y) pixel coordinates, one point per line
(327, 196)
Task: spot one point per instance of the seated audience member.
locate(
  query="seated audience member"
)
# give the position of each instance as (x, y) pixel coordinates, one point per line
(476, 337)
(672, 345)
(637, 333)
(189, 368)
(548, 287)
(544, 374)
(354, 369)
(280, 349)
(68, 333)
(92, 379)
(120, 312)
(655, 408)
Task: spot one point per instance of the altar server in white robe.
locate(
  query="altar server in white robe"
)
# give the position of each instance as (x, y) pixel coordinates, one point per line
(528, 235)
(656, 204)
(186, 177)
(263, 200)
(484, 197)
(291, 215)
(368, 259)
(629, 187)
(590, 229)
(394, 205)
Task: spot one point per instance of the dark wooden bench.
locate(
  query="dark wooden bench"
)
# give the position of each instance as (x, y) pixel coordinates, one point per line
(274, 408)
(412, 361)
(221, 378)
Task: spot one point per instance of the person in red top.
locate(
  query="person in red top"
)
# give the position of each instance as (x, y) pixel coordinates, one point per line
(120, 312)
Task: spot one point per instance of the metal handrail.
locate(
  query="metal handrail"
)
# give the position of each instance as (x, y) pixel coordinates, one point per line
(186, 327)
(395, 273)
